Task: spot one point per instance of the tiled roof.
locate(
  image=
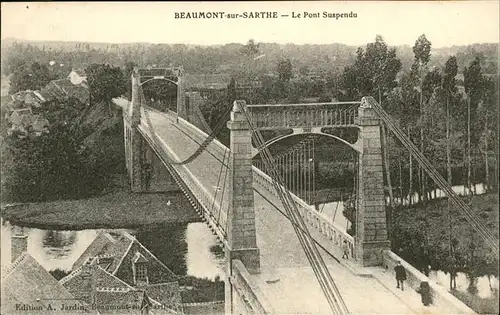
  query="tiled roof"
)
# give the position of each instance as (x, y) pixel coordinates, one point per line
(127, 301)
(115, 253)
(97, 247)
(114, 247)
(168, 294)
(119, 250)
(28, 97)
(40, 123)
(74, 282)
(21, 117)
(27, 282)
(119, 301)
(110, 290)
(63, 88)
(164, 273)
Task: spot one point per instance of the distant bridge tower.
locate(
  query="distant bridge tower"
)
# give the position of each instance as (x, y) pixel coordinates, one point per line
(145, 170)
(133, 139)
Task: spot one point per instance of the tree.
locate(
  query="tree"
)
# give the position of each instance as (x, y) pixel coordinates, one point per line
(422, 53)
(374, 73)
(51, 165)
(488, 111)
(105, 82)
(34, 77)
(473, 84)
(285, 70)
(304, 70)
(449, 89)
(250, 49)
(384, 67)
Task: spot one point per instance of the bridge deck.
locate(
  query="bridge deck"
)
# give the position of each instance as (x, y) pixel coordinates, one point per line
(282, 257)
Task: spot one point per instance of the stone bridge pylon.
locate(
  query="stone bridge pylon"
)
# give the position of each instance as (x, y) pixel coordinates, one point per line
(145, 169)
(371, 225)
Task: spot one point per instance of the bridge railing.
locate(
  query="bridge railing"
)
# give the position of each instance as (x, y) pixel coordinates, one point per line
(248, 298)
(329, 230)
(202, 196)
(304, 115)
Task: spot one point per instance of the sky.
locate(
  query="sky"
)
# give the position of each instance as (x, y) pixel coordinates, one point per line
(445, 23)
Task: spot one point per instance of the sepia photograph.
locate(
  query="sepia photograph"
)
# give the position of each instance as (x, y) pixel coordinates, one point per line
(250, 157)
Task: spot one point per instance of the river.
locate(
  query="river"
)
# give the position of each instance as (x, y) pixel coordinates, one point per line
(184, 248)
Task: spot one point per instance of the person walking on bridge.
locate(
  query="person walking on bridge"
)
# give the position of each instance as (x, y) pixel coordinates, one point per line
(345, 248)
(400, 275)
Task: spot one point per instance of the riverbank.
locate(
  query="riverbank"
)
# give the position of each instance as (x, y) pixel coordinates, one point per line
(422, 228)
(412, 219)
(119, 209)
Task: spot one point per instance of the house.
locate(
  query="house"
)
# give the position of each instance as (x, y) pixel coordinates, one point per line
(77, 76)
(119, 260)
(40, 125)
(95, 286)
(21, 120)
(23, 99)
(62, 89)
(24, 121)
(27, 288)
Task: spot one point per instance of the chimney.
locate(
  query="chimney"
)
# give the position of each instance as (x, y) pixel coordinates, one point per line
(19, 244)
(89, 282)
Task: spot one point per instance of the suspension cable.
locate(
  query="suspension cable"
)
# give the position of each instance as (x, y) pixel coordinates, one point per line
(222, 198)
(202, 147)
(323, 276)
(342, 158)
(491, 241)
(217, 188)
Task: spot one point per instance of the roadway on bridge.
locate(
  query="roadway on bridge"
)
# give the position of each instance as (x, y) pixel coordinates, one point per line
(286, 278)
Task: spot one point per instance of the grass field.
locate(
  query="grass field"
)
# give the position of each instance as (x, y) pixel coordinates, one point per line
(410, 223)
(119, 209)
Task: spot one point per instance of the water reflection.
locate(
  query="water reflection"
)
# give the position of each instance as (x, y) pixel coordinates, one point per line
(168, 243)
(52, 249)
(460, 190)
(484, 290)
(184, 248)
(201, 260)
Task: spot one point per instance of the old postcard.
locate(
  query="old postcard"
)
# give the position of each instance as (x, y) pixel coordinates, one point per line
(273, 157)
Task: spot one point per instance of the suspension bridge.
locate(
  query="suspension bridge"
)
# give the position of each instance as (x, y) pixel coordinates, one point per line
(283, 256)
